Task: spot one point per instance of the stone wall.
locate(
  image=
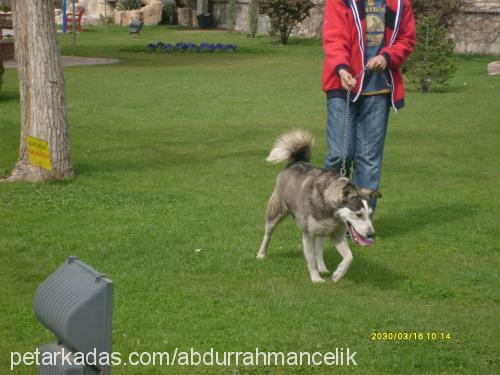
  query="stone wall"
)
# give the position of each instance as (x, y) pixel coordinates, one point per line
(150, 13)
(96, 8)
(219, 12)
(477, 28)
(311, 27)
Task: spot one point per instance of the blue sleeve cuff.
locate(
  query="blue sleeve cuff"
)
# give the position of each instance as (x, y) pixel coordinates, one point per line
(339, 67)
(387, 57)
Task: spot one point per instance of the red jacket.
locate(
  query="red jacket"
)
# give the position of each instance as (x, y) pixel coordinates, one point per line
(344, 40)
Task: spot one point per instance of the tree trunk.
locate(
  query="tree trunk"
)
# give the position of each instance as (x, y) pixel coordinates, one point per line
(41, 86)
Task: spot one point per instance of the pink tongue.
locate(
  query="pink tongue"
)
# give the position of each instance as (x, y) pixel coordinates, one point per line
(358, 238)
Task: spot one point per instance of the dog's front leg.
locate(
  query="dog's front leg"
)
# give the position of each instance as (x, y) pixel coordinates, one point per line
(343, 248)
(319, 244)
(310, 256)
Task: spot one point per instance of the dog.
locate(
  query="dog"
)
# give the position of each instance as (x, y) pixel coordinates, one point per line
(323, 203)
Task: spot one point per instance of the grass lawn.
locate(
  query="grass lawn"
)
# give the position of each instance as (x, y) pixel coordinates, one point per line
(169, 153)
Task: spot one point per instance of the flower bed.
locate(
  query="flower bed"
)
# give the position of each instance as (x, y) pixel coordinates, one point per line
(190, 47)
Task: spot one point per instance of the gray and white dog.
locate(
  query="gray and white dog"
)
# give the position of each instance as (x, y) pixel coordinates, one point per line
(323, 204)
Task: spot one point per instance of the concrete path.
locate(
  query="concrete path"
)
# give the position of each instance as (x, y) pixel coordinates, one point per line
(73, 61)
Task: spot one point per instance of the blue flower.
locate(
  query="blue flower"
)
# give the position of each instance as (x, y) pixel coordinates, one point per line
(191, 47)
(168, 48)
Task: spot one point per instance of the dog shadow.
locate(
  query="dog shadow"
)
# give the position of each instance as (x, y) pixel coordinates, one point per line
(362, 270)
(366, 271)
(399, 224)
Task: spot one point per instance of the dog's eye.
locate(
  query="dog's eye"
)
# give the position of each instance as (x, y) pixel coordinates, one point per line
(359, 214)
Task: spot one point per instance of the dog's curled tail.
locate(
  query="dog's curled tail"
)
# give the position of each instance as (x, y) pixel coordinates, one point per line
(294, 145)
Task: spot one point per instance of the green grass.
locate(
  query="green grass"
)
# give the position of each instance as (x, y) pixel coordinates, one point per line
(169, 154)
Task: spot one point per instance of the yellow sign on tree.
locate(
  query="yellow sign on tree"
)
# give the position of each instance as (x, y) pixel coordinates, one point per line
(39, 153)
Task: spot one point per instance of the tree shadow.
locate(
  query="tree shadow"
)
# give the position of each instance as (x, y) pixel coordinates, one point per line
(158, 159)
(447, 89)
(6, 96)
(296, 41)
(439, 90)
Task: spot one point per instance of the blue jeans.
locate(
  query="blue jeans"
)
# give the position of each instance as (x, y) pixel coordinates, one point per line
(368, 119)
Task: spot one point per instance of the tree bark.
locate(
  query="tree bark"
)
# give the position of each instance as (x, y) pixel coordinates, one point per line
(41, 86)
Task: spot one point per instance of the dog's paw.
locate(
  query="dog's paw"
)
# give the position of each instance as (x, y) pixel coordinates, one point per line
(323, 270)
(260, 256)
(317, 280)
(337, 276)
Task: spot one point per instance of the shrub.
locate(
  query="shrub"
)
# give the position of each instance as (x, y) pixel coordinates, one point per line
(1, 73)
(444, 10)
(285, 15)
(231, 15)
(253, 18)
(430, 63)
(129, 4)
(168, 11)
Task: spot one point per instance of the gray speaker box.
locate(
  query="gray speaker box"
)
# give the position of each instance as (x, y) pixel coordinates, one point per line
(75, 303)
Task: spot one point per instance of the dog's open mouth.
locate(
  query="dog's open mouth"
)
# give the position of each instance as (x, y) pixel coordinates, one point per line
(358, 238)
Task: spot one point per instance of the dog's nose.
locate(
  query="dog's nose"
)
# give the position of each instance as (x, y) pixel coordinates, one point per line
(371, 234)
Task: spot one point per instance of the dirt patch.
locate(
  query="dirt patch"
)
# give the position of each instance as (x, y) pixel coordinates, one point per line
(201, 31)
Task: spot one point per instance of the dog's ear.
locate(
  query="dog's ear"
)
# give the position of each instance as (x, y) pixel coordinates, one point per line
(369, 193)
(318, 185)
(348, 190)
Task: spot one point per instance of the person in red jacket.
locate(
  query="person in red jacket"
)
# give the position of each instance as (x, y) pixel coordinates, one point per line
(365, 44)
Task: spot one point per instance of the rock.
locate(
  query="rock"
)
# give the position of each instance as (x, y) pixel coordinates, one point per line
(183, 16)
(124, 17)
(94, 20)
(494, 68)
(152, 12)
(96, 8)
(312, 25)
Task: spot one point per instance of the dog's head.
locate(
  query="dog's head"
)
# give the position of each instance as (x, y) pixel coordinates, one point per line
(353, 207)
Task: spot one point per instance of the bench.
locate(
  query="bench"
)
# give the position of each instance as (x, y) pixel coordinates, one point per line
(75, 21)
(5, 23)
(134, 28)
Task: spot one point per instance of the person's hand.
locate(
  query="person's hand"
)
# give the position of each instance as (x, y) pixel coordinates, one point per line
(377, 63)
(348, 81)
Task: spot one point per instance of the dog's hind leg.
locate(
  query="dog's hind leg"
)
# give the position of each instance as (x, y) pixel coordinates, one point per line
(310, 256)
(319, 244)
(275, 212)
(343, 248)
